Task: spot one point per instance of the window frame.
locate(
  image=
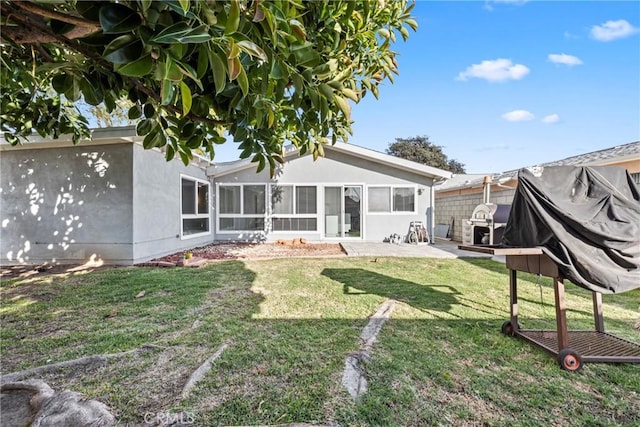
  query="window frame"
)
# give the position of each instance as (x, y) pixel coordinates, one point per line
(197, 215)
(221, 216)
(391, 188)
(294, 215)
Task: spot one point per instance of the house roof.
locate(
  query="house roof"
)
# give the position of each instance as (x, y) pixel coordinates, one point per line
(111, 135)
(220, 169)
(99, 136)
(619, 153)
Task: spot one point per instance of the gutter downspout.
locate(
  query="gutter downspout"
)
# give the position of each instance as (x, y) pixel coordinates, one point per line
(432, 220)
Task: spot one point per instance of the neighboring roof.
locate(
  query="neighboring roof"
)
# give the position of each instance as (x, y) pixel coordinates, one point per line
(462, 180)
(220, 169)
(619, 153)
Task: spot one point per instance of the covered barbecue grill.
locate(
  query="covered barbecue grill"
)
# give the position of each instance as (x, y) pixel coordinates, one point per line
(580, 224)
(488, 222)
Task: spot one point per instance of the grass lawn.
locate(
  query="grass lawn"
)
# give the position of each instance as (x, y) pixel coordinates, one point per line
(289, 323)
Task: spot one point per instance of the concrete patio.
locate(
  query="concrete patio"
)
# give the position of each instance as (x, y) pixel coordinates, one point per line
(439, 249)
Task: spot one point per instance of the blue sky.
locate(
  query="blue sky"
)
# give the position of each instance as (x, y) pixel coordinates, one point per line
(477, 78)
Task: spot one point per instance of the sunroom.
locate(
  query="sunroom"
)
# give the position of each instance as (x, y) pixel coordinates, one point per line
(351, 194)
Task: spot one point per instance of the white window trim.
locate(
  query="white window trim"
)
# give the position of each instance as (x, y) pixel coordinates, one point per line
(196, 215)
(273, 215)
(264, 216)
(363, 214)
(391, 187)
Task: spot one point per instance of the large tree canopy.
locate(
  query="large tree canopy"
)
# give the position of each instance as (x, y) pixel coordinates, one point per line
(264, 72)
(419, 149)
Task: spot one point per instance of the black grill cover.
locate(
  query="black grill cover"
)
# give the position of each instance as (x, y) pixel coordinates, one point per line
(587, 219)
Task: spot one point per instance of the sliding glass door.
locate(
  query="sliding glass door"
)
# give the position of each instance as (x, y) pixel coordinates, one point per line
(342, 211)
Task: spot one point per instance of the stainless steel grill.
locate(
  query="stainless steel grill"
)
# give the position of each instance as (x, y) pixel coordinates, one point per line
(488, 221)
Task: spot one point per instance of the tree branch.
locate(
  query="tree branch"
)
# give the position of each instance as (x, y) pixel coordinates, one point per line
(48, 13)
(34, 30)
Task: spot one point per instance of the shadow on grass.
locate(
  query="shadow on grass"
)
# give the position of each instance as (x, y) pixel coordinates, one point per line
(489, 264)
(523, 278)
(424, 297)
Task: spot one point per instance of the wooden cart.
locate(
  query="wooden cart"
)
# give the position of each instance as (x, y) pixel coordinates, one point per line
(571, 348)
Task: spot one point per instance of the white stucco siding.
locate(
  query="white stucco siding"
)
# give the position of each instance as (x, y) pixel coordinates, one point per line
(66, 204)
(113, 202)
(157, 205)
(340, 169)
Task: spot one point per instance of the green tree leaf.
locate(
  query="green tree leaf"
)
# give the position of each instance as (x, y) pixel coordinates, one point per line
(186, 98)
(92, 93)
(219, 72)
(343, 104)
(185, 5)
(168, 91)
(124, 49)
(134, 112)
(116, 18)
(243, 81)
(182, 33)
(144, 127)
(138, 68)
(61, 82)
(233, 18)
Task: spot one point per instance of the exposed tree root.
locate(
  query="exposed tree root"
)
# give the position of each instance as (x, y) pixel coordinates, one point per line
(353, 377)
(202, 370)
(83, 361)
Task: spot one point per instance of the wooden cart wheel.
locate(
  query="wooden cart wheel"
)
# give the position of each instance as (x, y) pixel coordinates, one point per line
(507, 329)
(569, 360)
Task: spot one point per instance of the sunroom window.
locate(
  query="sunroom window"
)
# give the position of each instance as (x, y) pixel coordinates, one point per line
(294, 208)
(195, 207)
(241, 207)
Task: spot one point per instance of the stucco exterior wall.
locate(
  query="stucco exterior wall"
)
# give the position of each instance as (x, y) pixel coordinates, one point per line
(116, 203)
(341, 169)
(157, 205)
(66, 205)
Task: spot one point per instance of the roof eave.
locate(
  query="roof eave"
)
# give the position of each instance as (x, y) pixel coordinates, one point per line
(215, 171)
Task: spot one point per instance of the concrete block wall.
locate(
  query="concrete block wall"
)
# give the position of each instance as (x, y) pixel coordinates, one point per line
(460, 208)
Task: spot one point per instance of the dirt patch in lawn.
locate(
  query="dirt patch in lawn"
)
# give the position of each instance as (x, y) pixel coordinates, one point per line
(214, 251)
(287, 249)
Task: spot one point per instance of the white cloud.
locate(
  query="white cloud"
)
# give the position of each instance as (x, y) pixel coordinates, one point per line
(518, 116)
(568, 35)
(563, 58)
(497, 70)
(612, 30)
(551, 118)
(488, 5)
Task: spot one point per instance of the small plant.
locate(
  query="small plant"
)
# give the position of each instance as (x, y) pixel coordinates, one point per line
(188, 255)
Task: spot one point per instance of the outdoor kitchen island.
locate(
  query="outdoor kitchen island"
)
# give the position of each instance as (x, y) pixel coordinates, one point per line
(571, 348)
